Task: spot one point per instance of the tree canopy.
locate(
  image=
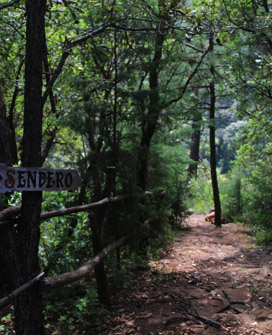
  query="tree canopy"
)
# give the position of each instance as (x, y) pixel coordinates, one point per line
(128, 92)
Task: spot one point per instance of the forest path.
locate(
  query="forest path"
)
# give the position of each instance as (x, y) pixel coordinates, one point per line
(214, 272)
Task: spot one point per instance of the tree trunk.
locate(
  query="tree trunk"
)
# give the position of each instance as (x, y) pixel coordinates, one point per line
(28, 305)
(215, 187)
(5, 134)
(7, 234)
(151, 119)
(194, 149)
(99, 269)
(97, 222)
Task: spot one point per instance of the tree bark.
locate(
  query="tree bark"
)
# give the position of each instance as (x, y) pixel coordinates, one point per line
(216, 196)
(5, 134)
(194, 149)
(97, 222)
(150, 123)
(28, 306)
(13, 144)
(8, 235)
(7, 300)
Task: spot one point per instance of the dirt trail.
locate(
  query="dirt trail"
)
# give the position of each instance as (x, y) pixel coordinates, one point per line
(210, 278)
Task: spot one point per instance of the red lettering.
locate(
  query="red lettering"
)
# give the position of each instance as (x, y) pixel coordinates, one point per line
(9, 183)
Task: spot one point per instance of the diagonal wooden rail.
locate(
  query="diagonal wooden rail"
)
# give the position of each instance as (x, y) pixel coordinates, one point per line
(8, 299)
(49, 283)
(71, 277)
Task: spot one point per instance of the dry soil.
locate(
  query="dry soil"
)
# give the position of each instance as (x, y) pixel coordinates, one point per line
(211, 281)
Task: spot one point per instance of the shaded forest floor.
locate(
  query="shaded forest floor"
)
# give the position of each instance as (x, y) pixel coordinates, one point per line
(209, 276)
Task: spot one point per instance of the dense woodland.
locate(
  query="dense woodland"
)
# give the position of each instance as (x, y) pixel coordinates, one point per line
(160, 106)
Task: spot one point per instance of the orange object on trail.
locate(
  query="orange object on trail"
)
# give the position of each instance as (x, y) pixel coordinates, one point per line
(210, 217)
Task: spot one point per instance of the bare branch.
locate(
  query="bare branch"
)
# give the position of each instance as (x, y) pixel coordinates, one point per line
(188, 81)
(194, 47)
(55, 75)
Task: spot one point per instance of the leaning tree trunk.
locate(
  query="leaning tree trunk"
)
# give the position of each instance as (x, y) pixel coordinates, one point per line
(215, 187)
(28, 306)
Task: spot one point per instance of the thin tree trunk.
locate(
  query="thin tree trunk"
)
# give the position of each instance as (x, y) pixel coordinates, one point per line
(215, 187)
(265, 5)
(13, 145)
(97, 222)
(99, 269)
(28, 306)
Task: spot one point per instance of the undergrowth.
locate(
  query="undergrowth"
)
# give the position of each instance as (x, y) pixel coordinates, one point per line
(244, 198)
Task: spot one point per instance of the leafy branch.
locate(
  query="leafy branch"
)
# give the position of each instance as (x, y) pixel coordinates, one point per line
(9, 4)
(66, 53)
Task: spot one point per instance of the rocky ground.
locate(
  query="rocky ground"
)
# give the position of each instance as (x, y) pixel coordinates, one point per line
(212, 281)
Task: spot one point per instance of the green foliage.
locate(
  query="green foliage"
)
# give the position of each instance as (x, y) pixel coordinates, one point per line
(254, 160)
(6, 326)
(262, 235)
(3, 201)
(158, 245)
(102, 103)
(65, 243)
(249, 188)
(200, 189)
(231, 190)
(65, 240)
(121, 274)
(73, 309)
(167, 171)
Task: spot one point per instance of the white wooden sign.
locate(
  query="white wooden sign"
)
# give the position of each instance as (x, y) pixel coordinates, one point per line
(37, 179)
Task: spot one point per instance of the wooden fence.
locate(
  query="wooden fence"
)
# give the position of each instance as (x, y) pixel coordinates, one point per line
(7, 217)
